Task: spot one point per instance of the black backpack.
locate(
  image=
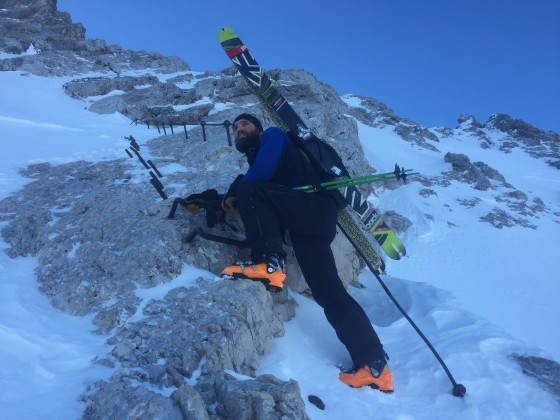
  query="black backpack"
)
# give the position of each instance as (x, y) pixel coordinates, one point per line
(321, 155)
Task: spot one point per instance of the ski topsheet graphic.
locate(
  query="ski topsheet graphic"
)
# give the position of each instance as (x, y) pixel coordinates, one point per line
(359, 221)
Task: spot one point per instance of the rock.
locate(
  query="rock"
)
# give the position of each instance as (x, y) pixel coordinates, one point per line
(476, 173)
(500, 218)
(121, 397)
(265, 397)
(398, 222)
(190, 402)
(61, 47)
(316, 401)
(545, 371)
(193, 335)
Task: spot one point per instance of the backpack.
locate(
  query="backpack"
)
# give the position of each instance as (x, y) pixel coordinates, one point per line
(321, 155)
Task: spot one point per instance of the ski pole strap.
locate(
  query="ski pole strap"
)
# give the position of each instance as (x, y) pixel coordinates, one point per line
(349, 182)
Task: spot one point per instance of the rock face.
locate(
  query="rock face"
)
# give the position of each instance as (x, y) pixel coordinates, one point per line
(537, 143)
(198, 333)
(39, 23)
(60, 47)
(478, 173)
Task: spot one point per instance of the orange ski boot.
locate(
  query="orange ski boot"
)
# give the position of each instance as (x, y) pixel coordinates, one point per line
(270, 272)
(375, 374)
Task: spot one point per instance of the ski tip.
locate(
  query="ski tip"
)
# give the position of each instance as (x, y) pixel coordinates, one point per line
(225, 33)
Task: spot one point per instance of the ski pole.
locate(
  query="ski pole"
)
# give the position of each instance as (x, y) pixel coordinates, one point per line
(458, 390)
(343, 181)
(348, 182)
(364, 179)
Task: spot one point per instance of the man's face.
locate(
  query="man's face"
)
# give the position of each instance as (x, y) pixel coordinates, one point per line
(246, 135)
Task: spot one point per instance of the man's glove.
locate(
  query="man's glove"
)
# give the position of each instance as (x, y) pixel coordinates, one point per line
(210, 201)
(206, 199)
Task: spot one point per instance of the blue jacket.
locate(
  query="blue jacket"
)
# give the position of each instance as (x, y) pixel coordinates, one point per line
(278, 160)
(266, 158)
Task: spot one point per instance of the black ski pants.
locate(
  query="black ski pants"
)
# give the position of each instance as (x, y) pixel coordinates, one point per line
(310, 218)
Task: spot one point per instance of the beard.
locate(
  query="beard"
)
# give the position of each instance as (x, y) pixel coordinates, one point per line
(247, 142)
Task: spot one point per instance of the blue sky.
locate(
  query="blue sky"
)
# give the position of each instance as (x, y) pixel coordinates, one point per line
(430, 60)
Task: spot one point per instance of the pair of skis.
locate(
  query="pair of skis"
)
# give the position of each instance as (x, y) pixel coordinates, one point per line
(359, 220)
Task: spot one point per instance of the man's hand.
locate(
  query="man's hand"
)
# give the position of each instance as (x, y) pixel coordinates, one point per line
(229, 204)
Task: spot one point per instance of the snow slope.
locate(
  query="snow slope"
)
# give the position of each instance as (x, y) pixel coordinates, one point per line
(497, 273)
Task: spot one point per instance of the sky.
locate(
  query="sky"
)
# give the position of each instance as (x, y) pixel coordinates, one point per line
(469, 311)
(430, 61)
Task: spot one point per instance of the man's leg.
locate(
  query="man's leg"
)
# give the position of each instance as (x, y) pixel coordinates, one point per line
(347, 317)
(264, 233)
(260, 219)
(311, 220)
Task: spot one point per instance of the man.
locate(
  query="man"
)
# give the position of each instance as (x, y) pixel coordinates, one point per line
(267, 205)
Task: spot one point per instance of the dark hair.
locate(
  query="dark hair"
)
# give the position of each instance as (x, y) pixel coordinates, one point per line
(250, 118)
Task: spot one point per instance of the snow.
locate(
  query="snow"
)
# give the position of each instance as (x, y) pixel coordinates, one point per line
(46, 355)
(203, 101)
(498, 273)
(30, 51)
(478, 293)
